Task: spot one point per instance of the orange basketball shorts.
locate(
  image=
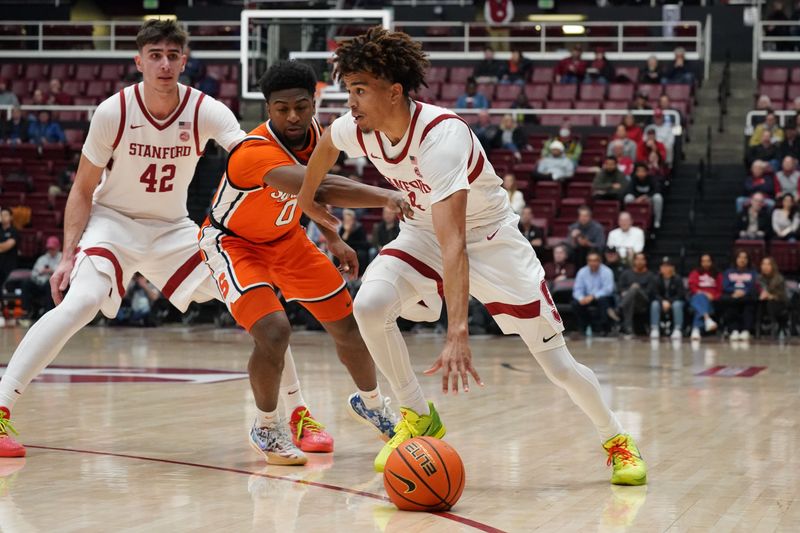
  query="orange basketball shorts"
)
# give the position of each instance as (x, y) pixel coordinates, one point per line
(248, 276)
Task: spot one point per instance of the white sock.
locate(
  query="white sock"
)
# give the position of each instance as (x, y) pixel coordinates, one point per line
(376, 308)
(290, 394)
(50, 333)
(372, 399)
(266, 419)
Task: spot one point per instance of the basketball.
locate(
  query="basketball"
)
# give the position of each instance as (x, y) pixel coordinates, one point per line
(424, 474)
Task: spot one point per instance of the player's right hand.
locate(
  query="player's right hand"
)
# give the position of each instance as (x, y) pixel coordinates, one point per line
(59, 281)
(397, 203)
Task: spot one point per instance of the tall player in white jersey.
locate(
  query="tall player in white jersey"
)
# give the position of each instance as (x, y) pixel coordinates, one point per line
(463, 239)
(126, 211)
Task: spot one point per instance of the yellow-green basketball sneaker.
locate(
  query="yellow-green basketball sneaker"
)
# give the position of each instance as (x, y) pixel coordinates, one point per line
(624, 457)
(411, 425)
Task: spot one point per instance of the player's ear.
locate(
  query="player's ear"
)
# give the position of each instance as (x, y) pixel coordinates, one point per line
(397, 93)
(183, 61)
(266, 107)
(138, 60)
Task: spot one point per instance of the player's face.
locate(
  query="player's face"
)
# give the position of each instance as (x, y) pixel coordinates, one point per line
(161, 65)
(369, 99)
(290, 112)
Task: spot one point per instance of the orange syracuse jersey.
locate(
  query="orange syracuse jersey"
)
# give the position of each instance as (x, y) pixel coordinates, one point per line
(246, 207)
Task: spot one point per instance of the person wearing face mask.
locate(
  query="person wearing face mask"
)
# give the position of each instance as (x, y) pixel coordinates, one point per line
(572, 144)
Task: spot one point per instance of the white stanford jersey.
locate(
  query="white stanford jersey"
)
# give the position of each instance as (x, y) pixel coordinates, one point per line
(150, 163)
(438, 155)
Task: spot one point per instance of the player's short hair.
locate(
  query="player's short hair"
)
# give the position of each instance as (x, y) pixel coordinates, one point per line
(391, 55)
(156, 30)
(288, 75)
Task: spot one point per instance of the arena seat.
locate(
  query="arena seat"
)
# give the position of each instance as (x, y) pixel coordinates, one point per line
(754, 248)
(621, 92)
(507, 92)
(594, 92)
(787, 255)
(775, 75)
(775, 91)
(460, 74)
(564, 91)
(543, 75)
(537, 91)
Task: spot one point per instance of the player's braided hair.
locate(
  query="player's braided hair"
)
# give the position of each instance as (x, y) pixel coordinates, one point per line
(391, 55)
(288, 75)
(156, 30)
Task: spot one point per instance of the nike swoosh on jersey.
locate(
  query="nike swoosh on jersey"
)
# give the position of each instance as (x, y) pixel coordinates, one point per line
(410, 485)
(374, 156)
(548, 339)
(490, 237)
(137, 127)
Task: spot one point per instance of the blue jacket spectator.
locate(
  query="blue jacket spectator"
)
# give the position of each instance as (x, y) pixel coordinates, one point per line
(472, 99)
(598, 283)
(45, 131)
(593, 289)
(739, 297)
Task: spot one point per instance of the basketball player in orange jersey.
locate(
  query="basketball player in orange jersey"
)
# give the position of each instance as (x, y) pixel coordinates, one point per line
(254, 245)
(126, 211)
(463, 239)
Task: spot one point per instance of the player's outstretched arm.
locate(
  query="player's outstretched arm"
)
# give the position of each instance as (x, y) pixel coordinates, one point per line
(76, 216)
(322, 160)
(449, 223)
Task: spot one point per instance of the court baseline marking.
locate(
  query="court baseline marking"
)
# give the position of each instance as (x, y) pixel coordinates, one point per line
(449, 516)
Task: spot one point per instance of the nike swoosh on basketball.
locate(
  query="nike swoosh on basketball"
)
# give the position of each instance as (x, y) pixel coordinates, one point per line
(490, 237)
(136, 127)
(548, 339)
(410, 485)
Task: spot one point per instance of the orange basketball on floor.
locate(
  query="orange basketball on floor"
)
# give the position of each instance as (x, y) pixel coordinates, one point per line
(424, 474)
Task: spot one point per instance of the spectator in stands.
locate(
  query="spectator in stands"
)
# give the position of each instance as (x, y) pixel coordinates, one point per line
(515, 197)
(786, 219)
(516, 70)
(787, 179)
(772, 299)
(635, 287)
(764, 103)
(640, 103)
(522, 102)
(512, 136)
(668, 295)
(572, 144)
(624, 163)
(632, 129)
(138, 303)
(36, 293)
(600, 70)
(594, 289)
(194, 70)
(645, 189)
(758, 182)
(621, 134)
(679, 71)
(560, 269)
(556, 166)
(765, 151)
(38, 99)
(739, 297)
(649, 144)
(650, 73)
(626, 238)
(584, 235)
(665, 104)
(656, 165)
(769, 125)
(384, 231)
(664, 133)
(487, 132)
(9, 239)
(472, 99)
(705, 288)
(571, 69)
(46, 131)
(6, 96)
(57, 96)
(791, 142)
(613, 261)
(533, 233)
(14, 130)
(352, 233)
(489, 70)
(609, 183)
(795, 105)
(755, 222)
(63, 182)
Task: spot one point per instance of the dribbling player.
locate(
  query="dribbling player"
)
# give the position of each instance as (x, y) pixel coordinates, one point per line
(463, 240)
(144, 144)
(254, 244)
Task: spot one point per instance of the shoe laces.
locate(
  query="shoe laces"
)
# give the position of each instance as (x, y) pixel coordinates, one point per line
(308, 423)
(403, 431)
(386, 410)
(6, 426)
(619, 450)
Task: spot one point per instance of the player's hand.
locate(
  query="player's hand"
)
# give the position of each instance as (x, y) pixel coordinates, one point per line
(455, 361)
(59, 281)
(348, 258)
(318, 213)
(397, 203)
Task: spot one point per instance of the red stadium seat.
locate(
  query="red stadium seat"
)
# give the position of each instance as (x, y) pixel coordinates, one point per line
(786, 254)
(10, 71)
(451, 91)
(616, 105)
(548, 190)
(795, 77)
(218, 71)
(775, 75)
(487, 90)
(560, 227)
(507, 92)
(73, 88)
(595, 92)
(86, 100)
(537, 91)
(62, 71)
(570, 206)
(436, 74)
(42, 85)
(606, 209)
(36, 71)
(111, 72)
(564, 91)
(558, 104)
(650, 90)
(460, 74)
(98, 89)
(632, 73)
(678, 91)
(543, 208)
(429, 93)
(580, 104)
(792, 92)
(229, 90)
(773, 90)
(86, 72)
(21, 88)
(579, 190)
(755, 249)
(543, 75)
(621, 92)
(641, 214)
(502, 104)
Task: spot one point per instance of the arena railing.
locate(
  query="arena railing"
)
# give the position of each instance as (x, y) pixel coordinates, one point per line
(781, 114)
(767, 47)
(5, 110)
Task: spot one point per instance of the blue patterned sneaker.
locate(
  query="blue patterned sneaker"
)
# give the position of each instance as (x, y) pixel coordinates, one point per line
(381, 420)
(276, 445)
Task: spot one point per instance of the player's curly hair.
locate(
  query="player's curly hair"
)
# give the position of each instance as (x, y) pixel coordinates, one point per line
(284, 75)
(391, 55)
(156, 30)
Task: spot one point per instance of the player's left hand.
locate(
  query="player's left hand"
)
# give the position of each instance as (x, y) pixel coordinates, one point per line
(318, 213)
(456, 361)
(348, 258)
(397, 203)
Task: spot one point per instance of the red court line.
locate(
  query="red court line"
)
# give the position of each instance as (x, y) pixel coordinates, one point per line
(449, 516)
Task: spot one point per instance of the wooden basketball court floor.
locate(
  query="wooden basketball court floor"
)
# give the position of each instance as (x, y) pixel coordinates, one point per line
(145, 430)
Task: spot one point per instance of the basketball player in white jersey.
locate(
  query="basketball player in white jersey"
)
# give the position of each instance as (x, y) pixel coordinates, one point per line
(463, 239)
(126, 211)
